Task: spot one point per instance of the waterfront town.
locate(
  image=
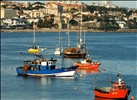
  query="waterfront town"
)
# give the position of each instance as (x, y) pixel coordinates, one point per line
(61, 15)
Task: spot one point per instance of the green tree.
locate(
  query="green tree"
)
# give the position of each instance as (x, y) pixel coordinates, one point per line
(73, 22)
(40, 23)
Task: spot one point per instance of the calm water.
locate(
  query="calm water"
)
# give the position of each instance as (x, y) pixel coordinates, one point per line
(115, 51)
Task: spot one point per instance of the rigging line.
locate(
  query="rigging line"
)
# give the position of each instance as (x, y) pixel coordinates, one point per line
(24, 53)
(22, 56)
(69, 60)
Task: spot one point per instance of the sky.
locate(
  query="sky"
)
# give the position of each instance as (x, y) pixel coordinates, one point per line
(121, 3)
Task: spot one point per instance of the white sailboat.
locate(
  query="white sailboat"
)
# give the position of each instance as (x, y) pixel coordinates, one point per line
(58, 47)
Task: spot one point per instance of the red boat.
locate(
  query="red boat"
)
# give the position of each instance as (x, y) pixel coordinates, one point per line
(118, 90)
(87, 64)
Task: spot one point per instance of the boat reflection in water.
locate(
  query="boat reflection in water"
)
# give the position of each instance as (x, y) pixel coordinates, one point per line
(88, 71)
(45, 80)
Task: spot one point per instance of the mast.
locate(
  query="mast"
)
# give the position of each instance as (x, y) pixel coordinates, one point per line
(68, 35)
(34, 40)
(59, 42)
(80, 30)
(84, 38)
(59, 37)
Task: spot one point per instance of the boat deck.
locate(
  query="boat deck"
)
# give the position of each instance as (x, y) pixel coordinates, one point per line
(103, 89)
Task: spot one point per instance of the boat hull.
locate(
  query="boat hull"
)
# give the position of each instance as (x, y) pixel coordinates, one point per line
(31, 50)
(74, 55)
(87, 65)
(57, 53)
(116, 94)
(61, 72)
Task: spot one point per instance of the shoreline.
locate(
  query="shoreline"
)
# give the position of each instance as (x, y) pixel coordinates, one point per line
(65, 30)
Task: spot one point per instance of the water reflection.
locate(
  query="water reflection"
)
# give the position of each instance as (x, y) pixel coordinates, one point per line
(67, 78)
(45, 80)
(41, 80)
(87, 71)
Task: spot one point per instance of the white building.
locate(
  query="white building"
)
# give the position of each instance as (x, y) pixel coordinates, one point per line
(122, 24)
(26, 4)
(107, 3)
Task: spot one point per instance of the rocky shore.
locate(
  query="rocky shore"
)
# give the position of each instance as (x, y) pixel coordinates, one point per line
(65, 30)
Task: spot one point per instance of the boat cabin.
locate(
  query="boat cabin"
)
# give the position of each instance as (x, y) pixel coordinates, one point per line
(47, 65)
(40, 65)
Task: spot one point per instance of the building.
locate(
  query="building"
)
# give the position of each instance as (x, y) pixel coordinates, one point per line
(107, 3)
(122, 24)
(8, 13)
(33, 13)
(53, 8)
(26, 4)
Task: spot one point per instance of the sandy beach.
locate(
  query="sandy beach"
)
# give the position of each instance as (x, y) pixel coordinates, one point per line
(64, 30)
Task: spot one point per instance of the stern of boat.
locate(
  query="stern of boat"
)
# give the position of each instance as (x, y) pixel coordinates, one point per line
(68, 72)
(20, 71)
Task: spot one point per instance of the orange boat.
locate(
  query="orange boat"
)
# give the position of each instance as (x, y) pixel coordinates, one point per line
(118, 90)
(87, 64)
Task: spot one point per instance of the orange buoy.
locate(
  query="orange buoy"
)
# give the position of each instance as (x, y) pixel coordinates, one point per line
(132, 98)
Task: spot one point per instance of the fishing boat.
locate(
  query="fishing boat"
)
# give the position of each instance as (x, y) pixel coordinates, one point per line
(58, 47)
(34, 49)
(87, 64)
(79, 51)
(44, 67)
(118, 90)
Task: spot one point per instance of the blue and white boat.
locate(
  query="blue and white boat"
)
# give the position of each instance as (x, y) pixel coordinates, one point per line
(44, 67)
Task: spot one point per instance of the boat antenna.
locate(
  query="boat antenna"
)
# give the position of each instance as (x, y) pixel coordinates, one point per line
(118, 75)
(110, 80)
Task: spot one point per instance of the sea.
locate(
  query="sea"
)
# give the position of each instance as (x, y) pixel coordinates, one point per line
(117, 53)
